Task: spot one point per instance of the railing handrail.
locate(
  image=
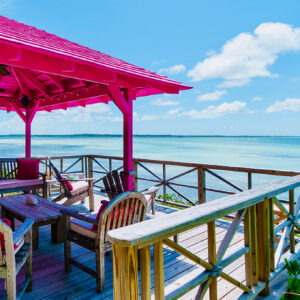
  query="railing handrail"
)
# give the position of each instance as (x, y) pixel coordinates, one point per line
(153, 230)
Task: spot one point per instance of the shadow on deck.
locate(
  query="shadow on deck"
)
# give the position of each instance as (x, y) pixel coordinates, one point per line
(50, 281)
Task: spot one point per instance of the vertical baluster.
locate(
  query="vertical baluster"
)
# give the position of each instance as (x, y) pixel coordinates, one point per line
(248, 242)
(212, 257)
(263, 243)
(164, 185)
(110, 165)
(159, 289)
(61, 165)
(125, 273)
(85, 167)
(82, 165)
(145, 266)
(291, 211)
(201, 185)
(272, 235)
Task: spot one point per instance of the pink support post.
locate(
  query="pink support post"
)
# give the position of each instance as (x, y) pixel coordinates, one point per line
(128, 144)
(27, 136)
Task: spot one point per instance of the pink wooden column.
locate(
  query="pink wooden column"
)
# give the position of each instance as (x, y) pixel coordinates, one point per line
(128, 143)
(27, 135)
(27, 118)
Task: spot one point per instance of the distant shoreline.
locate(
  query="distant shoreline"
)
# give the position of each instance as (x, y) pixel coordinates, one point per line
(146, 135)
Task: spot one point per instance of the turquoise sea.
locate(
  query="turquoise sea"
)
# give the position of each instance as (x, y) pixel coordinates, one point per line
(247, 151)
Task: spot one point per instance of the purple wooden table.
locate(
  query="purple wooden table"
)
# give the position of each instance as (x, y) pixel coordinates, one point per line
(46, 212)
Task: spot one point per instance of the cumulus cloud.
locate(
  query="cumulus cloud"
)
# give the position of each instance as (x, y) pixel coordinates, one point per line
(176, 69)
(248, 55)
(211, 96)
(216, 111)
(289, 104)
(164, 102)
(233, 83)
(257, 98)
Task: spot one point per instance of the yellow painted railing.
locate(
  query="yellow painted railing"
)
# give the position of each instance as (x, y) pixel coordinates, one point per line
(268, 238)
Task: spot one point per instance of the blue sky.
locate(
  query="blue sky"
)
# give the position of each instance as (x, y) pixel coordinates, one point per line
(242, 58)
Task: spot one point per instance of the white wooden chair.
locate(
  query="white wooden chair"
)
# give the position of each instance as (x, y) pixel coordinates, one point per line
(17, 252)
(82, 188)
(91, 233)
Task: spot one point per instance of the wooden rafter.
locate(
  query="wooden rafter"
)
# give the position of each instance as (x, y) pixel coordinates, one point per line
(33, 80)
(57, 81)
(20, 81)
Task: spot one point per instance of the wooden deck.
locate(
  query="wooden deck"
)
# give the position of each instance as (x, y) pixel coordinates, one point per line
(51, 282)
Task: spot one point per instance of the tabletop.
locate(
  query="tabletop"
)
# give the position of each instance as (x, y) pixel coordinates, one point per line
(45, 210)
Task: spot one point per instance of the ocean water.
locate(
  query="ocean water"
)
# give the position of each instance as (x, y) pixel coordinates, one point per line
(281, 153)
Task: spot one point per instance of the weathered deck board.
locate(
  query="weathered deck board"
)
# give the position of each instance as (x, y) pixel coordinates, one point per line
(51, 282)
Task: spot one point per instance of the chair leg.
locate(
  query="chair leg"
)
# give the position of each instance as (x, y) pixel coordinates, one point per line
(100, 269)
(28, 265)
(11, 286)
(153, 206)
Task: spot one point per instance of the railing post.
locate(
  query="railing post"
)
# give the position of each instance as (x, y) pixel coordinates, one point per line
(164, 179)
(272, 235)
(125, 273)
(249, 181)
(135, 180)
(254, 244)
(263, 243)
(90, 167)
(291, 211)
(201, 185)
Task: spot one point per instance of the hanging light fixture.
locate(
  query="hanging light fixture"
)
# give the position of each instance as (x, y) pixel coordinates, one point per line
(25, 100)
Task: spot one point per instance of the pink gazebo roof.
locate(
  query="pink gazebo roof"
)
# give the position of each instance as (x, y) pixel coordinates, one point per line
(62, 74)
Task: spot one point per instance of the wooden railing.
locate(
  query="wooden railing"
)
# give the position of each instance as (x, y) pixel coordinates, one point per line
(193, 183)
(266, 244)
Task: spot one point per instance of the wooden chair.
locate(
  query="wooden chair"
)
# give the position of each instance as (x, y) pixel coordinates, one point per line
(113, 186)
(17, 252)
(82, 188)
(90, 233)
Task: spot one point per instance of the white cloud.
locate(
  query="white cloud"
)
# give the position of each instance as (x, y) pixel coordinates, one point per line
(164, 102)
(173, 112)
(257, 98)
(211, 96)
(248, 55)
(289, 104)
(216, 111)
(233, 83)
(173, 70)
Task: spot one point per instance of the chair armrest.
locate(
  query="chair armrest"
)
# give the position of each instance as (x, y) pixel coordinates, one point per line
(78, 216)
(83, 179)
(22, 230)
(71, 174)
(151, 190)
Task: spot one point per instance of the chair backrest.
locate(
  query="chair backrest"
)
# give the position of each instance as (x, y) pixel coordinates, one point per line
(125, 209)
(8, 168)
(60, 179)
(113, 184)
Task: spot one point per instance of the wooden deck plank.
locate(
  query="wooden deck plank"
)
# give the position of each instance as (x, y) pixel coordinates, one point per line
(51, 282)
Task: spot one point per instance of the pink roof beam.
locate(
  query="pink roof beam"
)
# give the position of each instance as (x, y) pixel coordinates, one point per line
(42, 72)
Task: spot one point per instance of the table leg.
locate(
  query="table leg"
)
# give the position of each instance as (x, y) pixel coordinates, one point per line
(35, 236)
(57, 232)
